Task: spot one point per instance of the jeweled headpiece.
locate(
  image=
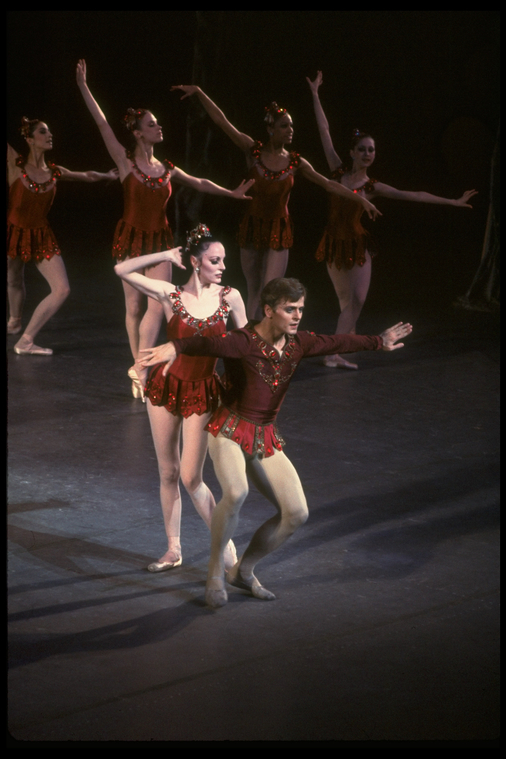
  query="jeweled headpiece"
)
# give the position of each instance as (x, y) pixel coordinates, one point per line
(132, 117)
(273, 112)
(27, 126)
(195, 236)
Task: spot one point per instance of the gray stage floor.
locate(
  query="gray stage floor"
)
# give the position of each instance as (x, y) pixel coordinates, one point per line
(385, 626)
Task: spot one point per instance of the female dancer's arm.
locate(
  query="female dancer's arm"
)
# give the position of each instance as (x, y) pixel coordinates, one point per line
(86, 176)
(421, 197)
(158, 289)
(115, 148)
(243, 141)
(336, 187)
(238, 309)
(333, 159)
(13, 170)
(205, 185)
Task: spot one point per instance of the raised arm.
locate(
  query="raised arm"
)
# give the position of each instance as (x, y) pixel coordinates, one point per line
(333, 159)
(158, 289)
(238, 309)
(238, 138)
(422, 197)
(13, 171)
(87, 176)
(205, 185)
(336, 187)
(115, 148)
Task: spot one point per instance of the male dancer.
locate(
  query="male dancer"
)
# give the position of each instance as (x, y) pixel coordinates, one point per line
(260, 360)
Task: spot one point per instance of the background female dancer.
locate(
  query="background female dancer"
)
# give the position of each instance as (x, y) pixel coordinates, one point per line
(182, 401)
(344, 245)
(144, 227)
(266, 234)
(259, 363)
(32, 187)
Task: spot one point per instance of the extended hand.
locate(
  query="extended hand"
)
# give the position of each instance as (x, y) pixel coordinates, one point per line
(112, 174)
(390, 336)
(158, 355)
(81, 72)
(174, 255)
(463, 201)
(188, 89)
(370, 209)
(316, 84)
(240, 192)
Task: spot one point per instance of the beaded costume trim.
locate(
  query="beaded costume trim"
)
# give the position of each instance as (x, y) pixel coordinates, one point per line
(275, 379)
(38, 186)
(367, 186)
(154, 183)
(273, 175)
(199, 325)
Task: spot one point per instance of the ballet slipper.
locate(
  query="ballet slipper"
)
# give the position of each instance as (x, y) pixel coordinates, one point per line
(252, 584)
(137, 387)
(216, 597)
(26, 347)
(163, 566)
(14, 325)
(338, 362)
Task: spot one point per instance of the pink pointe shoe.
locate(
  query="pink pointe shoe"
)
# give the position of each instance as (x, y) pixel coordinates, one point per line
(137, 388)
(27, 348)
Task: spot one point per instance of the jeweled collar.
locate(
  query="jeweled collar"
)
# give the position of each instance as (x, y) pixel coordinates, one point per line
(293, 163)
(38, 186)
(268, 350)
(221, 313)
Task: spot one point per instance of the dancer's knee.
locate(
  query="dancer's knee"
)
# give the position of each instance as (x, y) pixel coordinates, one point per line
(191, 481)
(169, 474)
(295, 517)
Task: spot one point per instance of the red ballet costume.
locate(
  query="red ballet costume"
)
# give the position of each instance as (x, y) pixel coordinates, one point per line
(192, 386)
(267, 223)
(143, 227)
(29, 235)
(345, 241)
(257, 378)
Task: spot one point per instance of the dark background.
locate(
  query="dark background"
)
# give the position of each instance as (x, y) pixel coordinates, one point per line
(424, 83)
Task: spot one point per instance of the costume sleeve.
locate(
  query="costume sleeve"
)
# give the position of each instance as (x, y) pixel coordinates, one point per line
(326, 345)
(234, 344)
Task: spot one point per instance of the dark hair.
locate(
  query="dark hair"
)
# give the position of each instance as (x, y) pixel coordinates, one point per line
(281, 290)
(357, 136)
(197, 242)
(27, 127)
(273, 113)
(133, 117)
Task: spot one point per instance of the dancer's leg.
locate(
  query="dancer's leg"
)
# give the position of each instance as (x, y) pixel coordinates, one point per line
(195, 443)
(276, 478)
(252, 267)
(54, 272)
(351, 286)
(166, 428)
(275, 265)
(230, 468)
(149, 326)
(15, 293)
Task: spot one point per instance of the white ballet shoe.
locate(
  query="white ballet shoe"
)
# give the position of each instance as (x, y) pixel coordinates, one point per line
(14, 325)
(137, 388)
(163, 566)
(255, 588)
(29, 349)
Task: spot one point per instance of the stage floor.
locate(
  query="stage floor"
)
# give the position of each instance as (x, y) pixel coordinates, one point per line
(385, 626)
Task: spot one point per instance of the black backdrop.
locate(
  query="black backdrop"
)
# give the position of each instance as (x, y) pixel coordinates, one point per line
(425, 83)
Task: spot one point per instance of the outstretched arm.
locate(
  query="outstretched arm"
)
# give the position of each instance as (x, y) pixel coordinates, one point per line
(422, 197)
(115, 148)
(87, 176)
(397, 332)
(238, 138)
(205, 185)
(337, 188)
(158, 289)
(333, 159)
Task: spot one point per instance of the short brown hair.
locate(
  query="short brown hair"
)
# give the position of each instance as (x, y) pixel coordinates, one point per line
(281, 290)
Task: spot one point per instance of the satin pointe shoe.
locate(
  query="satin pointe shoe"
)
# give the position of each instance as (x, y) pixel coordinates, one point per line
(137, 388)
(14, 325)
(29, 349)
(215, 597)
(162, 566)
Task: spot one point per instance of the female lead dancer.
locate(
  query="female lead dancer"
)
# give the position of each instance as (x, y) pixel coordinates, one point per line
(144, 227)
(183, 401)
(260, 360)
(265, 234)
(32, 187)
(345, 245)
